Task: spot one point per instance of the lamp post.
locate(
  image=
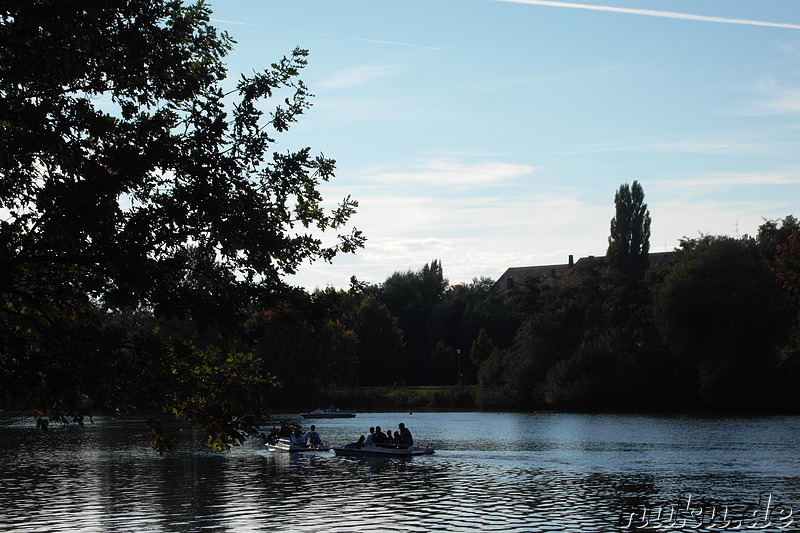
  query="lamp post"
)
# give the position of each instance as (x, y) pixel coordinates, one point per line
(458, 356)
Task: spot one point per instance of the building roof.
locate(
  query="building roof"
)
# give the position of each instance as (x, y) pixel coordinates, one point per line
(515, 277)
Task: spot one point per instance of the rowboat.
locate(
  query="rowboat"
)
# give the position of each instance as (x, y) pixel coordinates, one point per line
(285, 445)
(382, 450)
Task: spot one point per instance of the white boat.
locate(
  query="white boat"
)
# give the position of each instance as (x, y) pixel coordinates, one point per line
(285, 445)
(382, 450)
(327, 413)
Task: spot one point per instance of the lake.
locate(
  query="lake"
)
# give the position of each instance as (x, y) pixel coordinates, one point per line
(491, 472)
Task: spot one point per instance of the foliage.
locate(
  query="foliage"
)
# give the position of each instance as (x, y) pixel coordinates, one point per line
(481, 349)
(704, 333)
(787, 275)
(411, 297)
(718, 310)
(399, 398)
(774, 233)
(787, 267)
(445, 368)
(304, 346)
(629, 242)
(128, 186)
(475, 306)
(433, 283)
(495, 389)
(381, 351)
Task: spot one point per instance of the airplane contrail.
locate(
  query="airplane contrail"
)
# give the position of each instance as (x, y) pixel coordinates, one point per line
(652, 13)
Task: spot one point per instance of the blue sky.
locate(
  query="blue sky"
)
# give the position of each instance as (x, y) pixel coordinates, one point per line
(490, 133)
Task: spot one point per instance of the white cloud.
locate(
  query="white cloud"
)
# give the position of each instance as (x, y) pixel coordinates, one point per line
(239, 23)
(356, 76)
(674, 220)
(653, 13)
(777, 99)
(534, 230)
(791, 50)
(514, 221)
(383, 110)
(719, 144)
(482, 236)
(565, 78)
(717, 179)
(449, 173)
(475, 236)
(722, 146)
(395, 43)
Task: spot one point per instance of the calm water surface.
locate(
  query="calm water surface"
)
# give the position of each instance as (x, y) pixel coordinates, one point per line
(491, 472)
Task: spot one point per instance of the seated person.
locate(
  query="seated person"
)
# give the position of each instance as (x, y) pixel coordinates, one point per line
(379, 437)
(296, 438)
(312, 438)
(405, 435)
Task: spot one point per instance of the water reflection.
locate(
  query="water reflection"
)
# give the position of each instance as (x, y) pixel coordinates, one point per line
(491, 472)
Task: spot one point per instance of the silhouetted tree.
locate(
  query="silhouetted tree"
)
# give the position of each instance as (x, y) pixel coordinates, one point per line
(381, 350)
(412, 297)
(718, 309)
(629, 242)
(433, 282)
(125, 182)
(774, 233)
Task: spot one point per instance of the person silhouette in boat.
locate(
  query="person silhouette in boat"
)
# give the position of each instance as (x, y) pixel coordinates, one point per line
(371, 434)
(312, 438)
(296, 438)
(405, 435)
(379, 437)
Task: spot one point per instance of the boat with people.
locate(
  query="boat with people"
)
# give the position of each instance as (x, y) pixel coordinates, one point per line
(379, 444)
(330, 412)
(382, 450)
(286, 445)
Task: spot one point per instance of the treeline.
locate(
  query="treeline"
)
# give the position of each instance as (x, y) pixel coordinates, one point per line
(413, 329)
(717, 329)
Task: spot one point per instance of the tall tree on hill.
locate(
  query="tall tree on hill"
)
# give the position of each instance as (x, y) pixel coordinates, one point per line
(629, 242)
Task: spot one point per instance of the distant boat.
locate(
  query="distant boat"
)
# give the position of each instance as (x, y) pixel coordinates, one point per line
(330, 412)
(382, 450)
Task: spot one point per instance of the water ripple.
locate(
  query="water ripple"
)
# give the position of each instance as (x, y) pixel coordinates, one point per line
(578, 474)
